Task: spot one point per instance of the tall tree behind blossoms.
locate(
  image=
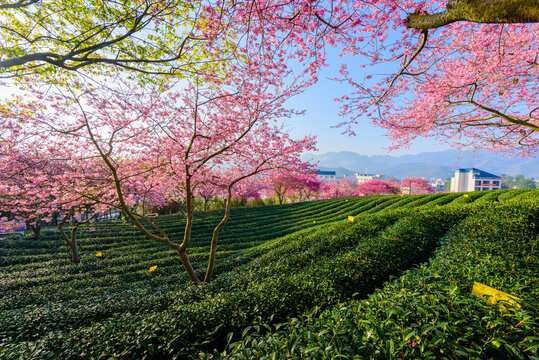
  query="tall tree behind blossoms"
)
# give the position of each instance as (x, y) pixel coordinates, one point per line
(378, 187)
(416, 186)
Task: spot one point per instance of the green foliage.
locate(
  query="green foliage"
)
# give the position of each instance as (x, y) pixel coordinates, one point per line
(50, 41)
(447, 184)
(274, 263)
(518, 182)
(429, 312)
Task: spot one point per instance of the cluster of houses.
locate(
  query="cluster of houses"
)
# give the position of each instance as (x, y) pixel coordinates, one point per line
(469, 179)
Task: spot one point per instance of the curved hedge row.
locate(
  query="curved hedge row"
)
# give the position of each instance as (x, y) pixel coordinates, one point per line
(430, 312)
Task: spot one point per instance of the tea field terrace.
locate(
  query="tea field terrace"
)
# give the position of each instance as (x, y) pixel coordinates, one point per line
(273, 262)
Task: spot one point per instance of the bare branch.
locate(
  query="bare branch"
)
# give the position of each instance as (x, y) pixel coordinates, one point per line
(421, 46)
(19, 4)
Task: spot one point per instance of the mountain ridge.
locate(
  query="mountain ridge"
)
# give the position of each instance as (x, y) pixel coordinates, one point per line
(441, 164)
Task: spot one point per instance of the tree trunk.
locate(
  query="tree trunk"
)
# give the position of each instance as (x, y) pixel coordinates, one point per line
(72, 242)
(36, 229)
(215, 237)
(187, 234)
(188, 267)
(280, 197)
(75, 258)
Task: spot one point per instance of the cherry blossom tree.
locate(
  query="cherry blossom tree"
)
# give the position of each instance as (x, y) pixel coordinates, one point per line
(282, 184)
(474, 92)
(416, 186)
(26, 191)
(300, 185)
(232, 134)
(36, 194)
(341, 188)
(226, 131)
(249, 188)
(378, 187)
(208, 189)
(307, 186)
(83, 195)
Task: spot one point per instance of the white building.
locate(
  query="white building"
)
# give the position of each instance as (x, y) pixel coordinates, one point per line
(473, 179)
(363, 178)
(328, 176)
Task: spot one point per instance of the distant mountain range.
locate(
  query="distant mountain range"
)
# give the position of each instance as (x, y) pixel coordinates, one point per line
(440, 164)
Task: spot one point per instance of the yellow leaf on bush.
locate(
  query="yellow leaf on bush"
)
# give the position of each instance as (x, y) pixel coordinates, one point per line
(99, 254)
(350, 218)
(314, 221)
(481, 290)
(465, 195)
(152, 268)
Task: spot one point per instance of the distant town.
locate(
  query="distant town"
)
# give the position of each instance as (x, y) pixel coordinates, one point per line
(464, 180)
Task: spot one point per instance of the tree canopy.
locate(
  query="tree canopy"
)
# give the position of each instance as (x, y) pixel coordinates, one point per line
(47, 40)
(465, 71)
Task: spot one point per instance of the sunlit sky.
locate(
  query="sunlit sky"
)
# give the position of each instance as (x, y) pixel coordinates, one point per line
(322, 113)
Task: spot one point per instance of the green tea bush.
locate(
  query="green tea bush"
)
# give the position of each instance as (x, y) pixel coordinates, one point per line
(266, 272)
(429, 312)
(301, 271)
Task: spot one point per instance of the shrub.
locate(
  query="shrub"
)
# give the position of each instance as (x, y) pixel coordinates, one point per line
(429, 312)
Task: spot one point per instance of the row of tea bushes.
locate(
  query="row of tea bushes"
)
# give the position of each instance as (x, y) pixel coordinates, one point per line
(28, 263)
(283, 278)
(44, 298)
(430, 312)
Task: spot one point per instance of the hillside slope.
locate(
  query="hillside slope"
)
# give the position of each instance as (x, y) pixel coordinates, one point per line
(273, 262)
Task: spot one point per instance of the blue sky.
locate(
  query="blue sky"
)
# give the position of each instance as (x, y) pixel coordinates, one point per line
(322, 112)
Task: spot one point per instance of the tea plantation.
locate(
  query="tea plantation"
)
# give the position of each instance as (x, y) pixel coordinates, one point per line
(296, 281)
